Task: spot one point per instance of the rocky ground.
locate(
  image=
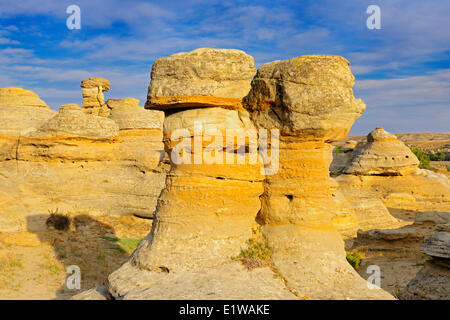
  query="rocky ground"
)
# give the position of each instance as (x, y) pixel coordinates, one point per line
(33, 264)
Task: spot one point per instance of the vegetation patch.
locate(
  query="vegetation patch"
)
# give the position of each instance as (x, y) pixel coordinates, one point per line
(58, 221)
(354, 259)
(256, 255)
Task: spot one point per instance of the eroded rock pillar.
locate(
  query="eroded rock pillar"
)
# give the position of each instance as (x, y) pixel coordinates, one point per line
(93, 99)
(207, 209)
(310, 100)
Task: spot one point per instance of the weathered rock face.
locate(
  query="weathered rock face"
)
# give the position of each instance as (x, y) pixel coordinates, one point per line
(382, 154)
(344, 217)
(21, 111)
(310, 100)
(77, 162)
(207, 209)
(141, 135)
(412, 192)
(93, 99)
(432, 282)
(191, 234)
(201, 78)
(129, 115)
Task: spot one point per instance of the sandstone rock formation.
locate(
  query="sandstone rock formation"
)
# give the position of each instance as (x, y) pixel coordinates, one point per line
(371, 213)
(200, 78)
(382, 154)
(290, 96)
(382, 173)
(72, 122)
(111, 158)
(93, 99)
(432, 282)
(141, 136)
(310, 100)
(21, 111)
(206, 211)
(344, 217)
(81, 163)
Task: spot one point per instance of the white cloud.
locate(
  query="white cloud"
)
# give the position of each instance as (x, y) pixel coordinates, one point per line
(427, 89)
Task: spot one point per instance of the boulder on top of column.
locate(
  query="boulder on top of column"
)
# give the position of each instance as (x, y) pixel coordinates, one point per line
(128, 114)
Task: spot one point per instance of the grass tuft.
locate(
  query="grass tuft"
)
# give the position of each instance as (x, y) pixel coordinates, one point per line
(128, 245)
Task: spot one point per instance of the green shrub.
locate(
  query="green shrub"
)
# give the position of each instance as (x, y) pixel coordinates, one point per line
(448, 168)
(423, 158)
(354, 259)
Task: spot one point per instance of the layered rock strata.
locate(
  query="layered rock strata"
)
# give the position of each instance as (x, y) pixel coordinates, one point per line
(202, 78)
(21, 111)
(342, 156)
(382, 172)
(207, 210)
(382, 154)
(81, 163)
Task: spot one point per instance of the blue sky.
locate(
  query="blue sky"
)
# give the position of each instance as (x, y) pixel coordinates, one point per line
(402, 71)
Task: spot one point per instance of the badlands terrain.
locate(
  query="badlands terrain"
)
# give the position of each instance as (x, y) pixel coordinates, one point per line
(107, 187)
